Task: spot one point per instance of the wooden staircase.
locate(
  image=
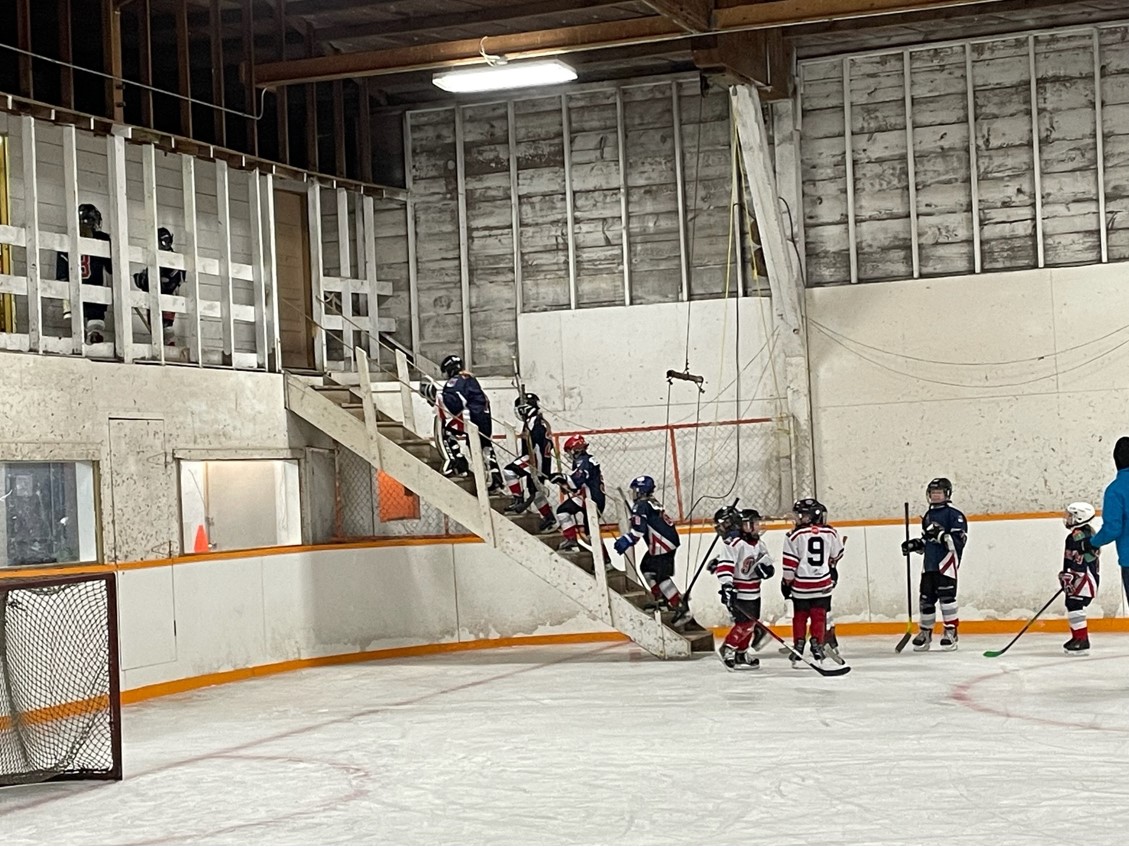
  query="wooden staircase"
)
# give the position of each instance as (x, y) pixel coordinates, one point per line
(614, 597)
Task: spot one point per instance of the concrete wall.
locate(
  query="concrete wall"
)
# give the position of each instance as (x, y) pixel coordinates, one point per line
(195, 618)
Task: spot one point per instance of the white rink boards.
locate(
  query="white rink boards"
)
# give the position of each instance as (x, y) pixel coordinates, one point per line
(601, 744)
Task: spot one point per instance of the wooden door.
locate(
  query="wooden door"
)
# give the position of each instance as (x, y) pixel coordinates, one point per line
(295, 290)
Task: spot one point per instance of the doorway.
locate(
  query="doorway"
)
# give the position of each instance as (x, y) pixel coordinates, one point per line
(295, 287)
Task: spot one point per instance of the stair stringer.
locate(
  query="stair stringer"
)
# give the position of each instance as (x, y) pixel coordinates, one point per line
(511, 540)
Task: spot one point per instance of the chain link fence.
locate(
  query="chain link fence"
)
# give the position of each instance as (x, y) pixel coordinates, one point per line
(696, 467)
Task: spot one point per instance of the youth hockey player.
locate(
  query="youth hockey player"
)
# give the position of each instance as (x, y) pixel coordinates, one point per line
(1079, 576)
(535, 457)
(585, 480)
(171, 280)
(96, 270)
(650, 523)
(944, 532)
(448, 433)
(743, 562)
(462, 391)
(811, 551)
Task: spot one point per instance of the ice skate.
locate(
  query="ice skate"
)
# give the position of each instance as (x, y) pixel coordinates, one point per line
(949, 638)
(922, 641)
(1077, 646)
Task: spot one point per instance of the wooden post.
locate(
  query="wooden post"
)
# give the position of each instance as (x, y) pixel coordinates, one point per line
(191, 287)
(112, 38)
(66, 53)
(215, 34)
(223, 222)
(23, 38)
(149, 181)
(250, 106)
(184, 68)
(258, 269)
(145, 48)
(31, 227)
(119, 248)
(283, 123)
(74, 251)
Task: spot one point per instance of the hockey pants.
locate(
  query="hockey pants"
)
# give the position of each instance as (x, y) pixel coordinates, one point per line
(937, 588)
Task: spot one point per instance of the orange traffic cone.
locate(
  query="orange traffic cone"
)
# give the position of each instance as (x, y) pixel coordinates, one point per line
(201, 545)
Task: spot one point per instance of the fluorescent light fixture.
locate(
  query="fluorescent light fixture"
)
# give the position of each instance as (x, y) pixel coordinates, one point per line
(503, 76)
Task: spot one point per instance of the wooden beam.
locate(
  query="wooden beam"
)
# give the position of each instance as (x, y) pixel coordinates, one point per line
(417, 23)
(219, 121)
(364, 136)
(250, 106)
(184, 67)
(66, 52)
(112, 41)
(23, 38)
(283, 128)
(339, 128)
(311, 111)
(145, 49)
(554, 42)
(691, 15)
(761, 58)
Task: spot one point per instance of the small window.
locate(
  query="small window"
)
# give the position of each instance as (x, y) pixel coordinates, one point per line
(239, 504)
(47, 513)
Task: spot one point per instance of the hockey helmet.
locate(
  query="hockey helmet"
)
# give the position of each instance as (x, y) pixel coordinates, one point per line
(750, 523)
(642, 486)
(726, 520)
(939, 484)
(575, 444)
(527, 405)
(451, 366)
(164, 239)
(809, 511)
(427, 389)
(89, 217)
(1078, 514)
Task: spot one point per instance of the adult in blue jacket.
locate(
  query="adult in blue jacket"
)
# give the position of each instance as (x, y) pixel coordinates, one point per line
(1115, 511)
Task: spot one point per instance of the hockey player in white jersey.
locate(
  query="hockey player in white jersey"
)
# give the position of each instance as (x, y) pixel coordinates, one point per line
(811, 551)
(743, 562)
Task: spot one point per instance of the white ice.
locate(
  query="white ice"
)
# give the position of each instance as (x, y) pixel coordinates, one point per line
(602, 744)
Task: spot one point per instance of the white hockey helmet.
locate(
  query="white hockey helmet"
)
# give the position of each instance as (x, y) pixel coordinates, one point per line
(1078, 514)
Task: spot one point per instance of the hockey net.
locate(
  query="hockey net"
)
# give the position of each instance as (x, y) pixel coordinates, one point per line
(60, 702)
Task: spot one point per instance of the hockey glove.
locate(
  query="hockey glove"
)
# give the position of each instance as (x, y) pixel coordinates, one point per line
(623, 544)
(728, 595)
(763, 570)
(914, 545)
(1066, 579)
(711, 565)
(834, 576)
(559, 479)
(786, 589)
(936, 532)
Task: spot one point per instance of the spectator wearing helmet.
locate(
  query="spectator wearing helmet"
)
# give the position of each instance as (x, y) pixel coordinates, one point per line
(1079, 575)
(535, 457)
(944, 532)
(812, 551)
(94, 270)
(583, 481)
(651, 525)
(462, 392)
(171, 280)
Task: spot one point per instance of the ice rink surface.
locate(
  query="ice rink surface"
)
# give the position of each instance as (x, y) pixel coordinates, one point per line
(602, 744)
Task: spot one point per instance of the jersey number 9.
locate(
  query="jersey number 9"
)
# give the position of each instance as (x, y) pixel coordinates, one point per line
(816, 551)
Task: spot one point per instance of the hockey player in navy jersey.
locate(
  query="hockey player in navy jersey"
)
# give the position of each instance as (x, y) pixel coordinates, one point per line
(944, 532)
(535, 457)
(1079, 575)
(811, 555)
(462, 391)
(650, 523)
(740, 566)
(448, 433)
(583, 481)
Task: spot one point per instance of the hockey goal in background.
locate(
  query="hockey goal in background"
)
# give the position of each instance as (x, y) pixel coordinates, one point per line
(732, 458)
(60, 700)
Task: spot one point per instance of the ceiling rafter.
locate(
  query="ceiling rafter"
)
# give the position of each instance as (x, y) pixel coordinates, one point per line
(551, 42)
(692, 15)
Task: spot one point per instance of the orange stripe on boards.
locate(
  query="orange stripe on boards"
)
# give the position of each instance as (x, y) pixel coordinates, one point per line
(998, 627)
(164, 689)
(46, 714)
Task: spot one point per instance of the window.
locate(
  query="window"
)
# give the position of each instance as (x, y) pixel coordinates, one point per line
(239, 504)
(47, 513)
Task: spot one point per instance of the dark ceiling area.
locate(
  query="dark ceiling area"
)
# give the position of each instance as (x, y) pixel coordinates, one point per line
(320, 84)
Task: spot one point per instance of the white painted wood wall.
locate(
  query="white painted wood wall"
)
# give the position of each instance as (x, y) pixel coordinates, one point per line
(1001, 153)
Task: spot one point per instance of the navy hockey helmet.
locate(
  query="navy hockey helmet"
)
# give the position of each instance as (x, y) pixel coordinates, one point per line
(89, 217)
(726, 519)
(642, 486)
(451, 366)
(809, 511)
(527, 405)
(939, 484)
(164, 239)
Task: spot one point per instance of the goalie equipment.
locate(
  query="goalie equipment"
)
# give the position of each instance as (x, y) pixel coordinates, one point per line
(1078, 514)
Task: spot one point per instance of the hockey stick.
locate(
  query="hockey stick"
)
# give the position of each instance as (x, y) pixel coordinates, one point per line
(991, 654)
(904, 640)
(836, 671)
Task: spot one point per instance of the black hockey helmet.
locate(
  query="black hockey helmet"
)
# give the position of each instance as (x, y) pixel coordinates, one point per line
(427, 389)
(811, 509)
(526, 405)
(89, 216)
(164, 239)
(749, 519)
(726, 519)
(451, 366)
(940, 484)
